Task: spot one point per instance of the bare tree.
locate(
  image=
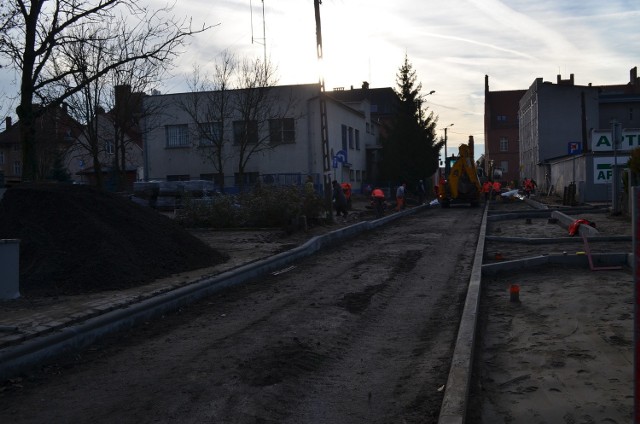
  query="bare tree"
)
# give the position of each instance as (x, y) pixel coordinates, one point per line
(263, 114)
(238, 113)
(211, 110)
(36, 35)
(87, 105)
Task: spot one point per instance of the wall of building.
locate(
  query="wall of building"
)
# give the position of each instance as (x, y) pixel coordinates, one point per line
(304, 156)
(559, 174)
(551, 117)
(501, 123)
(528, 133)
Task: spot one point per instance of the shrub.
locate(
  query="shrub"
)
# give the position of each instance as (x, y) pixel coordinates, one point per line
(262, 207)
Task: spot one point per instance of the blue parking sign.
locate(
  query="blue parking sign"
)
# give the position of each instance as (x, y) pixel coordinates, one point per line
(575, 148)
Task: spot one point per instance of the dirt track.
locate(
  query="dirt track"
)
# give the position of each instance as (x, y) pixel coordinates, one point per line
(361, 333)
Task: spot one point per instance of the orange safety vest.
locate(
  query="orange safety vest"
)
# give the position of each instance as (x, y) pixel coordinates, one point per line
(377, 193)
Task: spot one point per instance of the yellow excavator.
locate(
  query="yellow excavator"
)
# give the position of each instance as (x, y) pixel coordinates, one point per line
(460, 183)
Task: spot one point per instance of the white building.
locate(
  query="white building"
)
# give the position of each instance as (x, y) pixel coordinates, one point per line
(284, 136)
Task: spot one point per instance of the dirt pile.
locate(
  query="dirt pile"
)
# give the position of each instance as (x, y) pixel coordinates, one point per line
(75, 239)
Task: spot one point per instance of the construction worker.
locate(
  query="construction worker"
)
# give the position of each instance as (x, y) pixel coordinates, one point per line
(486, 189)
(400, 197)
(308, 185)
(497, 188)
(377, 198)
(339, 200)
(528, 187)
(346, 189)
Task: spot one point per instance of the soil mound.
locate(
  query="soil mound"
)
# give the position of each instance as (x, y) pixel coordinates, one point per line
(75, 239)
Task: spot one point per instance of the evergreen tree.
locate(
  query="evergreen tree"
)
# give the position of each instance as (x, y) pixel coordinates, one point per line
(59, 171)
(409, 148)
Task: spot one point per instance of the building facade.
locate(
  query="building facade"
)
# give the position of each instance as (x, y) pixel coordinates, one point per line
(383, 104)
(282, 138)
(501, 133)
(566, 135)
(55, 133)
(554, 122)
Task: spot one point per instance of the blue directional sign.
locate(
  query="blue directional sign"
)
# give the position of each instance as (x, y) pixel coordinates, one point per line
(341, 156)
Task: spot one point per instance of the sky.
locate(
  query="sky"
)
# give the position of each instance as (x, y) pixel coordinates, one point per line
(451, 45)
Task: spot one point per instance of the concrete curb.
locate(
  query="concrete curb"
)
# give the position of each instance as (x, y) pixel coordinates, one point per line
(454, 403)
(18, 358)
(566, 220)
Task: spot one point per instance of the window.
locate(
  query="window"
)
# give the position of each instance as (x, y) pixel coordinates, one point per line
(282, 131)
(504, 165)
(357, 139)
(350, 138)
(183, 177)
(17, 168)
(1, 158)
(177, 135)
(351, 175)
(212, 177)
(368, 129)
(501, 118)
(344, 137)
(504, 144)
(109, 147)
(245, 132)
(358, 176)
(249, 178)
(210, 133)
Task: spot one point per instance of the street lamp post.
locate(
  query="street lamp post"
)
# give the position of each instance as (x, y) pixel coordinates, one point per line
(445, 141)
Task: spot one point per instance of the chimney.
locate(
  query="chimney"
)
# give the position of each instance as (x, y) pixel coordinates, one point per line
(471, 147)
(633, 75)
(560, 81)
(7, 122)
(365, 85)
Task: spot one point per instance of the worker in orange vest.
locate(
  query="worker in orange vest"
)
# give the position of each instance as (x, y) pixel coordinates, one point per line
(486, 189)
(497, 188)
(377, 198)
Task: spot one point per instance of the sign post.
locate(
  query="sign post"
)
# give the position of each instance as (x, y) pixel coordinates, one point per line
(636, 320)
(616, 133)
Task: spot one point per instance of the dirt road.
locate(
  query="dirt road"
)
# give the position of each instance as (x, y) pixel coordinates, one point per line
(362, 333)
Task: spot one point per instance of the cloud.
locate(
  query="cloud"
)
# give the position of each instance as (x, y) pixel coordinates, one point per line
(452, 45)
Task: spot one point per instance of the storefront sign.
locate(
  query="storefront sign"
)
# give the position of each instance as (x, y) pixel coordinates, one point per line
(603, 168)
(601, 140)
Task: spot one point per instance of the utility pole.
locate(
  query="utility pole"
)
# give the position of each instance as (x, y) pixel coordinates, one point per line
(324, 131)
(446, 160)
(264, 32)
